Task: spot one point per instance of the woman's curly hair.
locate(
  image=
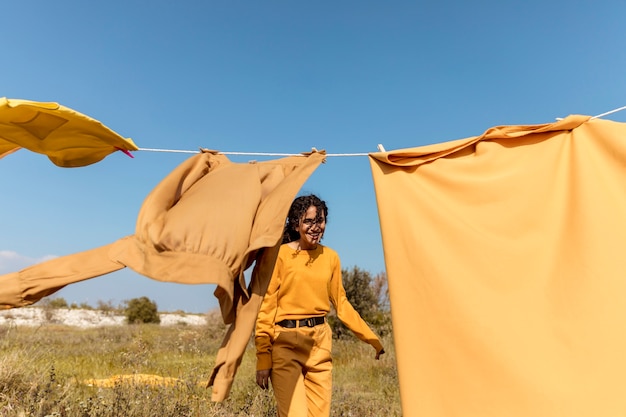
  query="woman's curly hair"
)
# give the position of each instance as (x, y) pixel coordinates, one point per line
(297, 210)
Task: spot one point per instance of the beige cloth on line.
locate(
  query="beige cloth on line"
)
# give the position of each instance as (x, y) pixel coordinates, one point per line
(206, 222)
(504, 255)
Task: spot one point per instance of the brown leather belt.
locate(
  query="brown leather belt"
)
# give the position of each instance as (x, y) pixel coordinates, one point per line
(310, 322)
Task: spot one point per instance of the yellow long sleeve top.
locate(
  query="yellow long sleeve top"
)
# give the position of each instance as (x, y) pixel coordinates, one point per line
(303, 284)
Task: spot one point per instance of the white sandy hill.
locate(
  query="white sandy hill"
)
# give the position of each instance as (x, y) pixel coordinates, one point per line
(37, 316)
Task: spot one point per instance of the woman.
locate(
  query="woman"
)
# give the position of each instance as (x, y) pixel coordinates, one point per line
(293, 338)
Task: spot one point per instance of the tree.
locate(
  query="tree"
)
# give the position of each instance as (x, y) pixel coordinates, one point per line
(381, 290)
(369, 297)
(358, 286)
(141, 310)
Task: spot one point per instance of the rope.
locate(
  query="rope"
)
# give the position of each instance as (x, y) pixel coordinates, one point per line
(609, 112)
(248, 153)
(380, 146)
(603, 114)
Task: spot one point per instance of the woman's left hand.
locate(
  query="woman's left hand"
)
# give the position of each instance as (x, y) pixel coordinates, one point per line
(263, 378)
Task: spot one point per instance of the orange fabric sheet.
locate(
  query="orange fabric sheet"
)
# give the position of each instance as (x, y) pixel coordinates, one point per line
(206, 222)
(68, 138)
(506, 273)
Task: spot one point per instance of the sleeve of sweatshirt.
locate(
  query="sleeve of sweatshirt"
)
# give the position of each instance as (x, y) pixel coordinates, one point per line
(264, 332)
(346, 313)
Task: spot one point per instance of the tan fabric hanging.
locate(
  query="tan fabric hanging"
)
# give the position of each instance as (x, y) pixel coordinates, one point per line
(206, 222)
(506, 272)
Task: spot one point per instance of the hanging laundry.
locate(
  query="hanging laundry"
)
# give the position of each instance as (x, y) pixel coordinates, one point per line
(504, 254)
(68, 138)
(207, 222)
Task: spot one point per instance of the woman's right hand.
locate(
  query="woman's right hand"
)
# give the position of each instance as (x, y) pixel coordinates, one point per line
(263, 378)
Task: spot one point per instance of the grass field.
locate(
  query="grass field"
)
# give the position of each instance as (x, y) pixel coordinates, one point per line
(54, 370)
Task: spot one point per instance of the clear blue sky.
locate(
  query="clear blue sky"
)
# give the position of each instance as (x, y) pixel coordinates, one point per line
(278, 76)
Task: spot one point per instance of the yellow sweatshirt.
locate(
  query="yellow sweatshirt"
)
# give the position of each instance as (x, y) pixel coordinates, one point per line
(303, 284)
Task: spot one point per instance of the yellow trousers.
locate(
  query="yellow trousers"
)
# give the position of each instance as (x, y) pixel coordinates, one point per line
(302, 371)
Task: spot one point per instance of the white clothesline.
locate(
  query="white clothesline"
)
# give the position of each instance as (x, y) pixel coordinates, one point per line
(249, 153)
(609, 112)
(603, 114)
(380, 146)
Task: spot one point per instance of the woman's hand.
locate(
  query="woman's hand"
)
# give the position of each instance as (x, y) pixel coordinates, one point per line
(377, 357)
(263, 378)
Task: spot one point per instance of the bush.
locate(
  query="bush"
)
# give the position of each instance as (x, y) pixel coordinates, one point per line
(141, 310)
(56, 302)
(108, 307)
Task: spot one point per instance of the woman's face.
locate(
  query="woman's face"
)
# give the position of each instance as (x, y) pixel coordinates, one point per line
(311, 228)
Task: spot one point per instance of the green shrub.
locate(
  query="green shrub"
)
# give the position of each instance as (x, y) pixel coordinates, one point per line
(141, 310)
(56, 302)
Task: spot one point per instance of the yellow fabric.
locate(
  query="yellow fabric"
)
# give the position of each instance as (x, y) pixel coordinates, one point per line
(302, 285)
(68, 138)
(135, 379)
(506, 272)
(206, 222)
(302, 371)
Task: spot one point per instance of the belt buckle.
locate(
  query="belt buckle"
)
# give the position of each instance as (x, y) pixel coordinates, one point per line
(310, 322)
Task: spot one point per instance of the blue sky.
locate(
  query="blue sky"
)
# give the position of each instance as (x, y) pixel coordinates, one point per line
(278, 76)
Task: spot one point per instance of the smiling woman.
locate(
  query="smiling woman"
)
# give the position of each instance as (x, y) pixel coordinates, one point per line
(293, 338)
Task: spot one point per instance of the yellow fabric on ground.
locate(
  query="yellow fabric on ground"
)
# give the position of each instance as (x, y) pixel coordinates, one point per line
(134, 379)
(68, 138)
(504, 255)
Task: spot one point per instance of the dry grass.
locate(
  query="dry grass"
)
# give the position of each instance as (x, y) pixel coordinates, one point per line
(50, 371)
